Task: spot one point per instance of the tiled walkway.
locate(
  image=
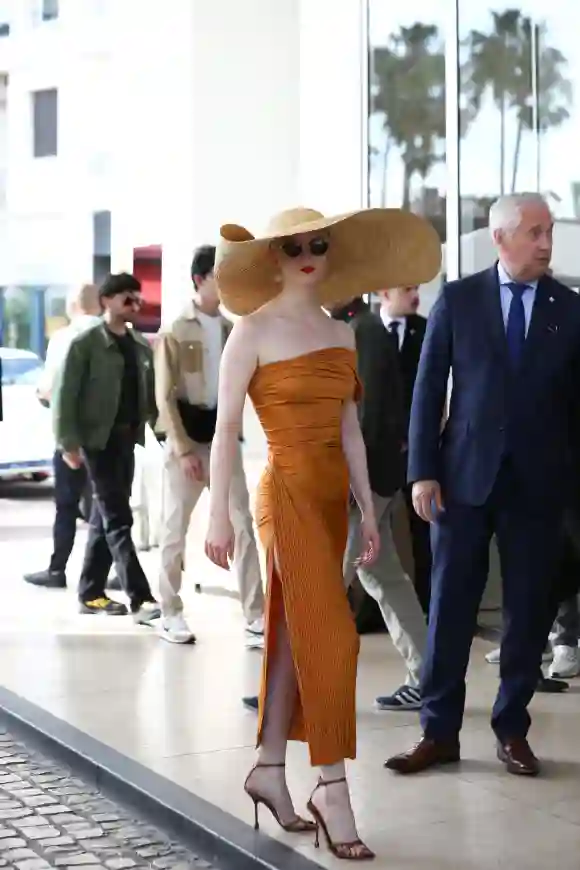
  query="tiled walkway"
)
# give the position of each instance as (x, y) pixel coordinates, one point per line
(50, 819)
(177, 710)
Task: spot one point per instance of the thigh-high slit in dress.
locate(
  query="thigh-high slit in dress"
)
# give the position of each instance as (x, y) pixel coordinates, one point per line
(302, 516)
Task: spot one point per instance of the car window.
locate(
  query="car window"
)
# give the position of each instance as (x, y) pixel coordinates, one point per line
(20, 370)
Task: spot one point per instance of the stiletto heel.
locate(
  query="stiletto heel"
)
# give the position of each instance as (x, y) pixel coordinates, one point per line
(353, 851)
(296, 826)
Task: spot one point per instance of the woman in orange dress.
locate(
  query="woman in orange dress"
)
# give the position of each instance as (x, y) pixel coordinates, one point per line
(299, 368)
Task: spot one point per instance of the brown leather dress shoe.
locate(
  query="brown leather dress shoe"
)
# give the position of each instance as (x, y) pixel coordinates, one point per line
(427, 753)
(518, 757)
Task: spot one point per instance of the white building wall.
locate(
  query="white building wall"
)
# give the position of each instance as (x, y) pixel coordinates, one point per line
(260, 108)
(50, 201)
(179, 116)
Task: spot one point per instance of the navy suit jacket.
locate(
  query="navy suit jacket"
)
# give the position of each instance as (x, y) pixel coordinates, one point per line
(532, 416)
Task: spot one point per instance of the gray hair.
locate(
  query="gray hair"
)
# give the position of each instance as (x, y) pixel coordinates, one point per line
(505, 212)
(82, 300)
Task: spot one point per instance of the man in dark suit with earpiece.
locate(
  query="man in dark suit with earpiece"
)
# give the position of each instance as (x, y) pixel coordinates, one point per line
(406, 328)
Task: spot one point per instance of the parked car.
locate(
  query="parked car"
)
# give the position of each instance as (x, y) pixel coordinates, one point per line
(26, 440)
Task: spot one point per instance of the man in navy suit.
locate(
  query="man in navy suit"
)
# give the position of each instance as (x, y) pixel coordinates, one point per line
(510, 339)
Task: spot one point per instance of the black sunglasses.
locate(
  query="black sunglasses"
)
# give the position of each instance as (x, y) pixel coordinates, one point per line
(317, 247)
(131, 301)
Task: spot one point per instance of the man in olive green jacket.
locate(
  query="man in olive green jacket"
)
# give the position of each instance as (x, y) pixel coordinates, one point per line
(101, 402)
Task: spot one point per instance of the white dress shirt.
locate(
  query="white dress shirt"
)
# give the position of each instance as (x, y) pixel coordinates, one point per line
(58, 347)
(402, 321)
(528, 296)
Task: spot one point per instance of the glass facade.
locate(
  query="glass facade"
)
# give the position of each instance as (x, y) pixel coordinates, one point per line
(468, 101)
(407, 153)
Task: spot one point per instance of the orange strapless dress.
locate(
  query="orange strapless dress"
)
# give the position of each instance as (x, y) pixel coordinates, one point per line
(302, 518)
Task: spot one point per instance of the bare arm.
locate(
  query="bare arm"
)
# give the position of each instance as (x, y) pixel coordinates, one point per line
(238, 364)
(356, 457)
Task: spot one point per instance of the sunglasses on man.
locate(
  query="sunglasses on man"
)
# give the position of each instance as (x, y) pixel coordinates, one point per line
(132, 300)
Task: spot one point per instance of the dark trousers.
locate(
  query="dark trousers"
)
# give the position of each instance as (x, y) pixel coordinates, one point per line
(421, 544)
(111, 473)
(69, 485)
(528, 539)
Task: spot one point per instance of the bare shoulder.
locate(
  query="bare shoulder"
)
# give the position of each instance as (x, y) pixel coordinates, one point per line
(344, 334)
(241, 349)
(243, 331)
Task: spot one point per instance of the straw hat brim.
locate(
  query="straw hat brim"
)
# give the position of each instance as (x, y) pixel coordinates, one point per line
(369, 250)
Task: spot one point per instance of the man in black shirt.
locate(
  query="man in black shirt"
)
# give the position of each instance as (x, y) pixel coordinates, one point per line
(128, 411)
(101, 405)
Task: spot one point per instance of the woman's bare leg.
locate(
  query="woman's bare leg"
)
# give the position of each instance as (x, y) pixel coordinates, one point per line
(280, 703)
(333, 802)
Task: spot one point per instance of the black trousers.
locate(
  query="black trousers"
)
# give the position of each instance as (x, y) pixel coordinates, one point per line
(69, 485)
(111, 473)
(421, 544)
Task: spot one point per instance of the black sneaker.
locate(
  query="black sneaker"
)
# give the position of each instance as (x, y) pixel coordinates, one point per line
(405, 698)
(103, 606)
(550, 686)
(48, 579)
(251, 703)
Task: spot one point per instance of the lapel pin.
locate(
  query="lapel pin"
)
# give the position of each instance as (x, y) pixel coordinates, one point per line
(551, 299)
(411, 332)
(552, 328)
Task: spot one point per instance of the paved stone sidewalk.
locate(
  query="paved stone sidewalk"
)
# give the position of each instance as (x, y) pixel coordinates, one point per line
(50, 818)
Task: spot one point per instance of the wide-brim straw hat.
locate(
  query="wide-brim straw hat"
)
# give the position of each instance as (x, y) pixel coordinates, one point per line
(369, 250)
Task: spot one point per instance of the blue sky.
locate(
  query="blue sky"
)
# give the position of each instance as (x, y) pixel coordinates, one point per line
(480, 148)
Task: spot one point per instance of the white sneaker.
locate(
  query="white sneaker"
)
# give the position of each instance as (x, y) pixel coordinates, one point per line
(257, 626)
(175, 629)
(566, 662)
(492, 658)
(255, 634)
(148, 613)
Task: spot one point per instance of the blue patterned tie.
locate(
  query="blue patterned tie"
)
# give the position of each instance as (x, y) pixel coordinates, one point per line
(516, 323)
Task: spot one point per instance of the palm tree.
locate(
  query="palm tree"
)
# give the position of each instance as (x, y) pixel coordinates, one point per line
(408, 89)
(500, 62)
(555, 95)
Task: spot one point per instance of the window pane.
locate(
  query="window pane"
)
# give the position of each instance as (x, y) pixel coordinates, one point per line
(407, 107)
(558, 67)
(498, 148)
(45, 121)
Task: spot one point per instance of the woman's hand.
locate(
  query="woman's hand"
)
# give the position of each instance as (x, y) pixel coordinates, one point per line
(219, 541)
(370, 540)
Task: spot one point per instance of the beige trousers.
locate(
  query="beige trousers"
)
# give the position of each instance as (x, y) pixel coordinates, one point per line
(179, 498)
(387, 583)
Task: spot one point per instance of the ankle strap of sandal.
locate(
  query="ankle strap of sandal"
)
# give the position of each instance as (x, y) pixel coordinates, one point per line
(326, 782)
(259, 764)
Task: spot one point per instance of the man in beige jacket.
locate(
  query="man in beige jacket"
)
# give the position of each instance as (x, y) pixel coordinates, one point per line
(187, 359)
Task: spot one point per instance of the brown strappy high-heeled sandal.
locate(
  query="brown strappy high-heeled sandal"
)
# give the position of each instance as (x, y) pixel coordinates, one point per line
(296, 826)
(353, 851)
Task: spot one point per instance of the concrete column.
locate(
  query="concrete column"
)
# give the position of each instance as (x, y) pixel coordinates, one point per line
(233, 124)
(333, 110)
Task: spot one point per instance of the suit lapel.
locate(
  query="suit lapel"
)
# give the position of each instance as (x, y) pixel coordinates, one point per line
(493, 312)
(542, 324)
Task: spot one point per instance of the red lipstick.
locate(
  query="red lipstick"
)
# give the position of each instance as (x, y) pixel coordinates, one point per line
(308, 270)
